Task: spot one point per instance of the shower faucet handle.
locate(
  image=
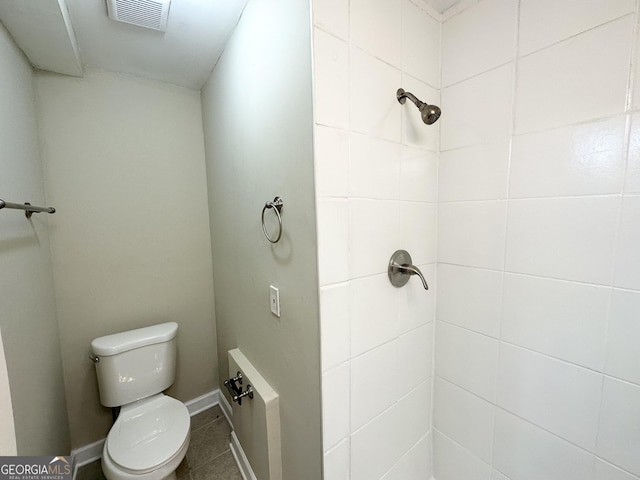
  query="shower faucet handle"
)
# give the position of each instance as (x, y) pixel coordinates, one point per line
(401, 268)
(412, 270)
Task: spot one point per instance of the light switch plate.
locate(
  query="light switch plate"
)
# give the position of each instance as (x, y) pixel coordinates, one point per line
(274, 300)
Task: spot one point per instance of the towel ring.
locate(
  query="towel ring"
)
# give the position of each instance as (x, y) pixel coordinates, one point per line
(277, 205)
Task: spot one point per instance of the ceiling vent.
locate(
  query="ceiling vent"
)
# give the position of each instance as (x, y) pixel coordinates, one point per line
(143, 13)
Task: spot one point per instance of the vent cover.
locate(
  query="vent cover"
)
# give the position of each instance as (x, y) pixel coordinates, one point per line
(143, 13)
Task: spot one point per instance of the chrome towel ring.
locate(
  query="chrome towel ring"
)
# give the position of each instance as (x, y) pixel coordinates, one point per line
(277, 205)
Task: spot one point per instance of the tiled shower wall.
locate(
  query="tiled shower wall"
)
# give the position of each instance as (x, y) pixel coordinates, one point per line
(538, 318)
(376, 185)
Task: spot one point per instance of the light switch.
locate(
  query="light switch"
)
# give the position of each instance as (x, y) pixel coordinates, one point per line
(274, 299)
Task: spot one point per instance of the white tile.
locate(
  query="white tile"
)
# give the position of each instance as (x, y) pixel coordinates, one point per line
(416, 463)
(332, 16)
(374, 108)
(585, 159)
(374, 167)
(559, 397)
(636, 77)
(464, 417)
(417, 306)
(468, 359)
(375, 448)
(564, 19)
(373, 235)
(452, 462)
(370, 391)
(415, 358)
(418, 175)
(523, 451)
(335, 405)
(332, 162)
(566, 238)
(627, 273)
(414, 131)
(478, 39)
(470, 298)
(474, 173)
(335, 327)
(449, 8)
(632, 184)
(623, 353)
(414, 416)
(477, 110)
(376, 27)
(337, 462)
(429, 456)
(418, 225)
(498, 476)
(606, 471)
(566, 320)
(420, 44)
(553, 89)
(333, 236)
(373, 312)
(619, 433)
(331, 73)
(472, 233)
(332, 218)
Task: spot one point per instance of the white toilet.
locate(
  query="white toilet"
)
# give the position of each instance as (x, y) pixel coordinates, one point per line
(151, 435)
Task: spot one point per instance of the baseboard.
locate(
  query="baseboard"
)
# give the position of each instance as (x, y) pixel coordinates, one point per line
(203, 402)
(241, 459)
(226, 409)
(85, 455)
(90, 453)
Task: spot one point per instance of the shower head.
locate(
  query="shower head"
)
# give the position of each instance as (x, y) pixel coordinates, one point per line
(430, 113)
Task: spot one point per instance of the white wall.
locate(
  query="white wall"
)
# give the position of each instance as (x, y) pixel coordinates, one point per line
(27, 302)
(376, 187)
(124, 165)
(257, 110)
(537, 363)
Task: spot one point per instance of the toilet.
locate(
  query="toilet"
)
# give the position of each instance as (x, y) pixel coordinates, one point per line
(151, 435)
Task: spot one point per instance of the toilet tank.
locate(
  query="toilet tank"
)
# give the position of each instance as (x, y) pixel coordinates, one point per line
(135, 364)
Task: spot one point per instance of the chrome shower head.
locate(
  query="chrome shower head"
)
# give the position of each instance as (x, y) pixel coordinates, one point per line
(430, 113)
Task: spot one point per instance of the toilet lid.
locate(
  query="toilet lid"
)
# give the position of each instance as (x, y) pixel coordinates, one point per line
(148, 434)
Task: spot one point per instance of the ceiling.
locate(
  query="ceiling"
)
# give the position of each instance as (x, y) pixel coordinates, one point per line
(64, 36)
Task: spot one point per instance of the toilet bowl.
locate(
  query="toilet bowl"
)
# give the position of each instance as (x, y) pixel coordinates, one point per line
(148, 440)
(150, 437)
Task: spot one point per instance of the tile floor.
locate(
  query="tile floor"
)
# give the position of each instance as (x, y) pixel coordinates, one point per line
(208, 457)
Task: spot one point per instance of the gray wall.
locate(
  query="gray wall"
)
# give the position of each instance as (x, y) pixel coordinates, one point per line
(27, 312)
(124, 165)
(258, 122)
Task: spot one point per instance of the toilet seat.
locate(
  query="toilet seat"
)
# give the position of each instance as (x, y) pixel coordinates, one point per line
(148, 434)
